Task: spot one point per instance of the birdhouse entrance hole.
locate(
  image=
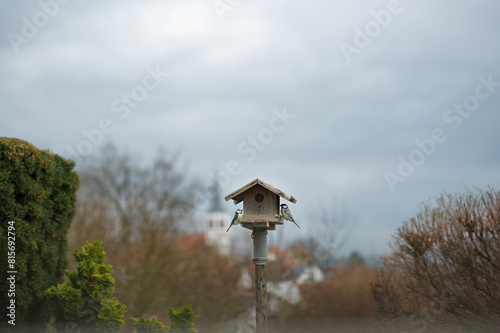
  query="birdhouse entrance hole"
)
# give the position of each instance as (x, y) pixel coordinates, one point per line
(259, 197)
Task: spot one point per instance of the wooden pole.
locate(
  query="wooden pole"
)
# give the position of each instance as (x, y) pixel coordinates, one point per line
(261, 299)
(260, 260)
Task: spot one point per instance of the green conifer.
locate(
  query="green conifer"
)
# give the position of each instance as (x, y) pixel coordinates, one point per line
(86, 300)
(181, 320)
(38, 195)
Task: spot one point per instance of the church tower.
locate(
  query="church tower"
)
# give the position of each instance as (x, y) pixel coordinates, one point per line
(216, 222)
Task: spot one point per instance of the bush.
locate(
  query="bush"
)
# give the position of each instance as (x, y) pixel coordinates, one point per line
(348, 296)
(445, 267)
(38, 193)
(143, 325)
(181, 321)
(86, 299)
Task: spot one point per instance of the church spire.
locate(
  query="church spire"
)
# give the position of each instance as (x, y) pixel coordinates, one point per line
(216, 205)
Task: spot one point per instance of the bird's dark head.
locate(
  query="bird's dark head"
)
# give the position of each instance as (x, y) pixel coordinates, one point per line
(239, 211)
(284, 205)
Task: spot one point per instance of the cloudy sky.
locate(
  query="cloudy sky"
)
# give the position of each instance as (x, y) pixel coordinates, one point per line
(365, 107)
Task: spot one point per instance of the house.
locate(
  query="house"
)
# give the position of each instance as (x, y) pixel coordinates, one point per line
(286, 270)
(307, 272)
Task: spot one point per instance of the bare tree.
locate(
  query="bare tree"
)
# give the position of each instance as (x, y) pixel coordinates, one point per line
(331, 228)
(156, 195)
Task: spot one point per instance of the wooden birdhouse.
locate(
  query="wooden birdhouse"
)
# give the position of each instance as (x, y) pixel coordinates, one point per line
(261, 204)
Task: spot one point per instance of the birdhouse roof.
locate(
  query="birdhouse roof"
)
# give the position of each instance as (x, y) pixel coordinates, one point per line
(237, 195)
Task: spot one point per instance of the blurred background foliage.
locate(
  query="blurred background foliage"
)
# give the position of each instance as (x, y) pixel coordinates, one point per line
(444, 262)
(139, 211)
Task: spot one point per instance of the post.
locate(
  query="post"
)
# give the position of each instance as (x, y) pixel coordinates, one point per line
(260, 260)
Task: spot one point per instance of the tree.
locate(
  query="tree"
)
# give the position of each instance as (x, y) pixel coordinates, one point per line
(355, 258)
(331, 229)
(138, 196)
(37, 205)
(86, 299)
(445, 265)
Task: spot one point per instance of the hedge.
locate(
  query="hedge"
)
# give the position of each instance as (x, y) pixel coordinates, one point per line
(38, 193)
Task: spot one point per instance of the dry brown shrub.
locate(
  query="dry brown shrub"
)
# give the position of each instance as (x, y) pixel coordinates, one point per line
(444, 272)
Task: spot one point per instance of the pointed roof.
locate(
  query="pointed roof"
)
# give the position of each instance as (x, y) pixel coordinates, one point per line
(237, 195)
(216, 205)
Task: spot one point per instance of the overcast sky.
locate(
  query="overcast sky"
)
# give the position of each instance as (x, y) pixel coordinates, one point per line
(375, 106)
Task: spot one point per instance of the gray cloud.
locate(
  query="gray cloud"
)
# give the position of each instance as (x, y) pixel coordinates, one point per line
(353, 120)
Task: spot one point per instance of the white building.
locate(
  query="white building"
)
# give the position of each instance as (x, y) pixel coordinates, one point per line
(216, 222)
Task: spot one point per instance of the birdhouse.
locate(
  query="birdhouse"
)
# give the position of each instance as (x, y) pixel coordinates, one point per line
(261, 204)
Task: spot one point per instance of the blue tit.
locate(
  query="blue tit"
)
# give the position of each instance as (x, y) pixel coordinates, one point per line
(287, 214)
(236, 219)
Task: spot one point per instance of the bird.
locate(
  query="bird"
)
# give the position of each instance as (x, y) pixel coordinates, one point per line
(287, 214)
(236, 219)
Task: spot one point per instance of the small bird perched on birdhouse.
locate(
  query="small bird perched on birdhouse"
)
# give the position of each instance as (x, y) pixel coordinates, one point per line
(287, 214)
(236, 219)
